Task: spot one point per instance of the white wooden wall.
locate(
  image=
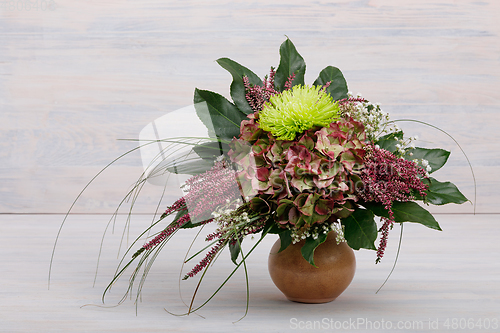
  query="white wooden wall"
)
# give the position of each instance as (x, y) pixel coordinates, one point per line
(75, 76)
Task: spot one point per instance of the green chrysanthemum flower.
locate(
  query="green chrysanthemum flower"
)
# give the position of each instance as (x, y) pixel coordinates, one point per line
(297, 110)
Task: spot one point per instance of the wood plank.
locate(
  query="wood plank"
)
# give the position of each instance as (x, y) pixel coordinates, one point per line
(78, 76)
(439, 276)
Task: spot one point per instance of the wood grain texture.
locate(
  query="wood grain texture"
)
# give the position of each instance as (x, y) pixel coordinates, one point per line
(79, 75)
(445, 276)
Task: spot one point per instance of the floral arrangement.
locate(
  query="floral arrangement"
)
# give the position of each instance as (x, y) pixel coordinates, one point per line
(299, 161)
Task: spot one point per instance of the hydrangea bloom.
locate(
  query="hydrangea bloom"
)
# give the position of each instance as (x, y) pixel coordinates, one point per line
(307, 181)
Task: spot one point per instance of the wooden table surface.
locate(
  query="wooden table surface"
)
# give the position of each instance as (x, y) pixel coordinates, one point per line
(75, 76)
(449, 275)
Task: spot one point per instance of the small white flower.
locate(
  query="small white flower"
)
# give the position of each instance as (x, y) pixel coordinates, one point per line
(425, 163)
(428, 168)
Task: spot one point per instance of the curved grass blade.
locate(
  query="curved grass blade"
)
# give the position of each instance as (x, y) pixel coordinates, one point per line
(246, 277)
(92, 180)
(73, 204)
(141, 182)
(264, 233)
(395, 260)
(182, 267)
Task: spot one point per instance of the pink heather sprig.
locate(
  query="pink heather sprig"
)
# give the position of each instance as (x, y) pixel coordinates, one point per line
(352, 100)
(209, 190)
(225, 236)
(383, 240)
(214, 235)
(288, 83)
(167, 232)
(180, 204)
(258, 95)
(269, 80)
(163, 235)
(387, 178)
(326, 85)
(205, 261)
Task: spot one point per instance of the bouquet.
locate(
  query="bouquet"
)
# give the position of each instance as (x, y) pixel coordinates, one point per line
(284, 157)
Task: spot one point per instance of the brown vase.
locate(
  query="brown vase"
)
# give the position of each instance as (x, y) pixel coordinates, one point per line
(301, 282)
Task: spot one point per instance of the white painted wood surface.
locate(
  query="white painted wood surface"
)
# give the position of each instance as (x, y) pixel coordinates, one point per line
(440, 275)
(79, 75)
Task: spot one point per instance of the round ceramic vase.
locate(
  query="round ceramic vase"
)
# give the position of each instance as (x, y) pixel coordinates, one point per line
(301, 282)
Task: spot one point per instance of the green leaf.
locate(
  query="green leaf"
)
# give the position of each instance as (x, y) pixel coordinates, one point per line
(190, 167)
(388, 141)
(405, 212)
(272, 227)
(360, 229)
(310, 245)
(285, 238)
(441, 193)
(189, 224)
(237, 86)
(290, 62)
(235, 251)
(218, 114)
(338, 88)
(179, 214)
(211, 150)
(436, 157)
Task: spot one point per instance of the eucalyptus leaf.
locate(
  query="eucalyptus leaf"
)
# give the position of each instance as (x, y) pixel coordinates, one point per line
(211, 150)
(285, 239)
(408, 211)
(441, 193)
(338, 86)
(237, 86)
(272, 227)
(190, 167)
(235, 250)
(179, 214)
(360, 229)
(220, 116)
(291, 62)
(388, 141)
(189, 224)
(310, 245)
(436, 157)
